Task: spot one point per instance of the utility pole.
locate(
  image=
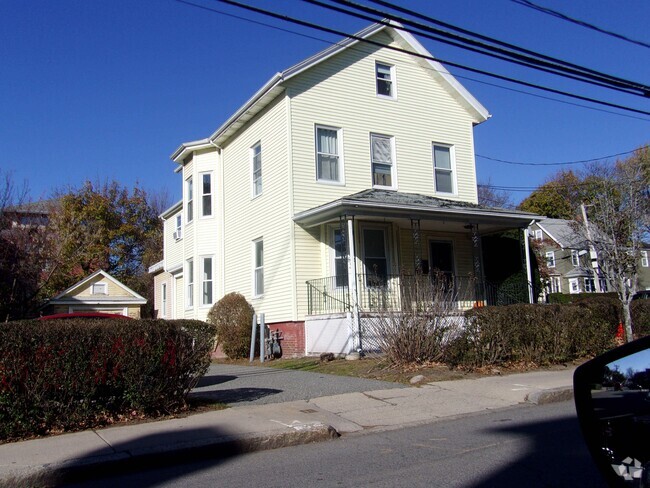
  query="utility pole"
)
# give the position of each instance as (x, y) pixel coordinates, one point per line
(592, 251)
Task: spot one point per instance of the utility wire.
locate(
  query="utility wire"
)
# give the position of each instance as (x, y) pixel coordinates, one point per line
(560, 15)
(303, 23)
(564, 163)
(476, 80)
(514, 47)
(580, 74)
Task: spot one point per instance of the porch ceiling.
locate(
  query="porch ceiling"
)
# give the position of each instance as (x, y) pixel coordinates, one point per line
(433, 213)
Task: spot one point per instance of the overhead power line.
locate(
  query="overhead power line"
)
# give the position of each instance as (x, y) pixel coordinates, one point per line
(514, 47)
(533, 60)
(311, 25)
(560, 15)
(476, 80)
(563, 163)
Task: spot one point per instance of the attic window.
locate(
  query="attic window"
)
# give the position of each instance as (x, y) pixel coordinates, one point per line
(99, 289)
(385, 75)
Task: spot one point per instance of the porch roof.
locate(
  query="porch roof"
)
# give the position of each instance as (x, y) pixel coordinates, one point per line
(398, 205)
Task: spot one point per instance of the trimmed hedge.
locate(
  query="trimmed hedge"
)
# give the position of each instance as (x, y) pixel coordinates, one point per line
(640, 310)
(78, 373)
(539, 334)
(233, 316)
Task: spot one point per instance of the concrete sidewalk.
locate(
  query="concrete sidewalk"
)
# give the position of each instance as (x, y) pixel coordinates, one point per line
(49, 461)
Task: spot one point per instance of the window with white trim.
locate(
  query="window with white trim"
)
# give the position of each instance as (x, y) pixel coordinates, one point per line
(556, 284)
(189, 272)
(443, 168)
(382, 150)
(574, 285)
(329, 165)
(550, 259)
(258, 268)
(385, 76)
(538, 234)
(206, 280)
(178, 233)
(603, 284)
(206, 194)
(163, 300)
(575, 257)
(590, 286)
(189, 193)
(256, 169)
(644, 259)
(99, 289)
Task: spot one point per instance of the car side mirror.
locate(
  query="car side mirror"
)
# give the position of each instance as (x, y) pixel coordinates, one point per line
(612, 396)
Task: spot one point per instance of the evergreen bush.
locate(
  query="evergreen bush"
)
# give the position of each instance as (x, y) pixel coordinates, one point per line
(232, 316)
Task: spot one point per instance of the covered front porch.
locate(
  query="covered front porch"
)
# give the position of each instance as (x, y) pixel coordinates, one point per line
(379, 246)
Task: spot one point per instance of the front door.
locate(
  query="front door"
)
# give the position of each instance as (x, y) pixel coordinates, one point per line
(441, 259)
(375, 257)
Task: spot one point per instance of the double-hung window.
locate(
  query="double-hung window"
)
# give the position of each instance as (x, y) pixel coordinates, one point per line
(206, 281)
(329, 165)
(385, 76)
(556, 284)
(574, 285)
(256, 169)
(550, 259)
(178, 233)
(189, 298)
(590, 285)
(538, 234)
(383, 164)
(258, 267)
(575, 257)
(443, 168)
(189, 189)
(644, 259)
(206, 194)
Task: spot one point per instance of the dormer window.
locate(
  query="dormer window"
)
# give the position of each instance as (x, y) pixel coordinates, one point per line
(385, 76)
(99, 289)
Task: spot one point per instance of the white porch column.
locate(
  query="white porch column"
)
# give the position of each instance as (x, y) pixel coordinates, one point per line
(529, 273)
(352, 287)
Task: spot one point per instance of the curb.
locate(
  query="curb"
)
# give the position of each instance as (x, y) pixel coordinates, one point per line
(554, 395)
(224, 447)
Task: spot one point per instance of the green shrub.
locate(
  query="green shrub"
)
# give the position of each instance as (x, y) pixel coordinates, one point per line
(78, 373)
(232, 316)
(539, 334)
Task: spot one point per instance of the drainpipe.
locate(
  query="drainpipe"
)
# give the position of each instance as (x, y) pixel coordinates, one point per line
(529, 273)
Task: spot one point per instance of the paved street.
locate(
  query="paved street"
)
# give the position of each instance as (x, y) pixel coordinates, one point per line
(254, 385)
(532, 446)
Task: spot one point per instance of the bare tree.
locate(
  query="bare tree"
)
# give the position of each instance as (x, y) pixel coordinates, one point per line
(491, 197)
(418, 327)
(617, 223)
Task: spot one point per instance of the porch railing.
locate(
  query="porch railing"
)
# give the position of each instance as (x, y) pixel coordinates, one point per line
(385, 292)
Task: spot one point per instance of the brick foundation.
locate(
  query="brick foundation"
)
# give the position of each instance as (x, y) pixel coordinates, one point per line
(293, 342)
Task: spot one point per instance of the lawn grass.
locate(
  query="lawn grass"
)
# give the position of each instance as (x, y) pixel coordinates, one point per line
(369, 367)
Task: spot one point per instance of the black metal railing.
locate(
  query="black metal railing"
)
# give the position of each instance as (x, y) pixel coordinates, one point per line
(326, 295)
(396, 292)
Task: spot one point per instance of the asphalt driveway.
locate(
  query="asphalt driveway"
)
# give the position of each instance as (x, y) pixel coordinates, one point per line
(254, 385)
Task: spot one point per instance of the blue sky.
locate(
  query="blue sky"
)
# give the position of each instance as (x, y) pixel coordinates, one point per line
(109, 89)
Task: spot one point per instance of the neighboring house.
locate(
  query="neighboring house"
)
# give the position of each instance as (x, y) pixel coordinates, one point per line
(34, 214)
(572, 267)
(644, 268)
(340, 174)
(99, 292)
